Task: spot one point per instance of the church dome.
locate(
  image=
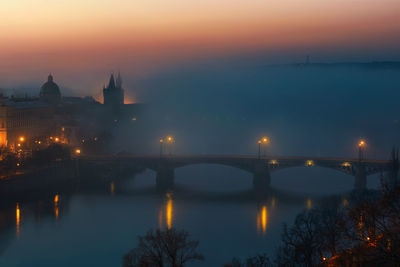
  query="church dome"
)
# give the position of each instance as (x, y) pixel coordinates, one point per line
(50, 92)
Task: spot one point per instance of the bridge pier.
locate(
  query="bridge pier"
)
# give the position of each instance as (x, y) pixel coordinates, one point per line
(360, 181)
(165, 177)
(261, 177)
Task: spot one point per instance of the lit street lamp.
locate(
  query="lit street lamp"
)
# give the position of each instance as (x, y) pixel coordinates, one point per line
(361, 149)
(170, 141)
(161, 146)
(265, 141)
(259, 149)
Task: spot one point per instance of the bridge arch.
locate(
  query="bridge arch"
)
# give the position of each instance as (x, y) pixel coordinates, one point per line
(213, 177)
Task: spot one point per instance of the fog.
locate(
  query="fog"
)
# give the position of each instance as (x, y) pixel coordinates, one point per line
(305, 110)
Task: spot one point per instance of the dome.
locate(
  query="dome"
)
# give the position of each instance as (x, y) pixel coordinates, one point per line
(50, 91)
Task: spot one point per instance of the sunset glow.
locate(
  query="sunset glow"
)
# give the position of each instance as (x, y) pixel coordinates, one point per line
(59, 34)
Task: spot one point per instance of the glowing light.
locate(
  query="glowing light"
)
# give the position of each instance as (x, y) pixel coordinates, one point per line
(56, 199)
(345, 202)
(17, 218)
(309, 163)
(273, 162)
(22, 139)
(77, 151)
(170, 139)
(169, 212)
(346, 164)
(309, 203)
(56, 212)
(324, 258)
(265, 140)
(362, 143)
(112, 188)
(161, 140)
(18, 164)
(63, 129)
(39, 142)
(18, 144)
(56, 139)
(264, 219)
(56, 206)
(134, 118)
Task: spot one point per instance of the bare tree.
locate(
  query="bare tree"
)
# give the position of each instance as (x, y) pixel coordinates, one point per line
(168, 248)
(260, 260)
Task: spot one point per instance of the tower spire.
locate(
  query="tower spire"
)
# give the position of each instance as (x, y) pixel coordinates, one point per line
(111, 84)
(119, 81)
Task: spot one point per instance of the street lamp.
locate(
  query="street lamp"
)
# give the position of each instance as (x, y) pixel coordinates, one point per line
(259, 149)
(361, 149)
(265, 141)
(170, 141)
(161, 146)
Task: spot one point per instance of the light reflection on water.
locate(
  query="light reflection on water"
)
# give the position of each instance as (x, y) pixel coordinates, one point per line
(17, 219)
(262, 220)
(168, 210)
(224, 226)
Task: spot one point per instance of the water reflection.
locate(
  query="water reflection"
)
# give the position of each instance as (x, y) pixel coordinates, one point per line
(262, 220)
(273, 202)
(56, 206)
(309, 203)
(112, 188)
(168, 210)
(17, 219)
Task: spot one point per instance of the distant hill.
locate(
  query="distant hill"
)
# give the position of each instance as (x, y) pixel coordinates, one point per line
(364, 65)
(374, 65)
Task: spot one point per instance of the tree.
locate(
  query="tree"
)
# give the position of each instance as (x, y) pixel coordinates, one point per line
(301, 244)
(168, 248)
(260, 260)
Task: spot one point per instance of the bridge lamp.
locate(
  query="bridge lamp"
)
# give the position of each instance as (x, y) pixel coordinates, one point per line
(273, 162)
(170, 141)
(309, 163)
(346, 164)
(264, 142)
(361, 148)
(161, 146)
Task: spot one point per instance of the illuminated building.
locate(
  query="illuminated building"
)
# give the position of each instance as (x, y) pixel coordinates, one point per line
(53, 118)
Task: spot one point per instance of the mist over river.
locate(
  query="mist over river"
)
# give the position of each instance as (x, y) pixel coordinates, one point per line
(215, 204)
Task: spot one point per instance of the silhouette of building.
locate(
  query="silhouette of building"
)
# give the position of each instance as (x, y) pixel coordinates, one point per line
(31, 123)
(114, 93)
(50, 92)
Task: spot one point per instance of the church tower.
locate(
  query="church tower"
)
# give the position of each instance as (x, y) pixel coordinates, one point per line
(114, 93)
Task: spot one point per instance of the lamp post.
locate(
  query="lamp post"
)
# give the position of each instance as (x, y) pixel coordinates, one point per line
(259, 149)
(361, 149)
(170, 141)
(161, 146)
(265, 141)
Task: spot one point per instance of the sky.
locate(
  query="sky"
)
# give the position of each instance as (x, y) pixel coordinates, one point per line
(69, 37)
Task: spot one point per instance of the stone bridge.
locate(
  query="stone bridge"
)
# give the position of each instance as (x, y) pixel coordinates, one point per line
(261, 168)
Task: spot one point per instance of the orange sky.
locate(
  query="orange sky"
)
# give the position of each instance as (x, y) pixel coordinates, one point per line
(68, 35)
